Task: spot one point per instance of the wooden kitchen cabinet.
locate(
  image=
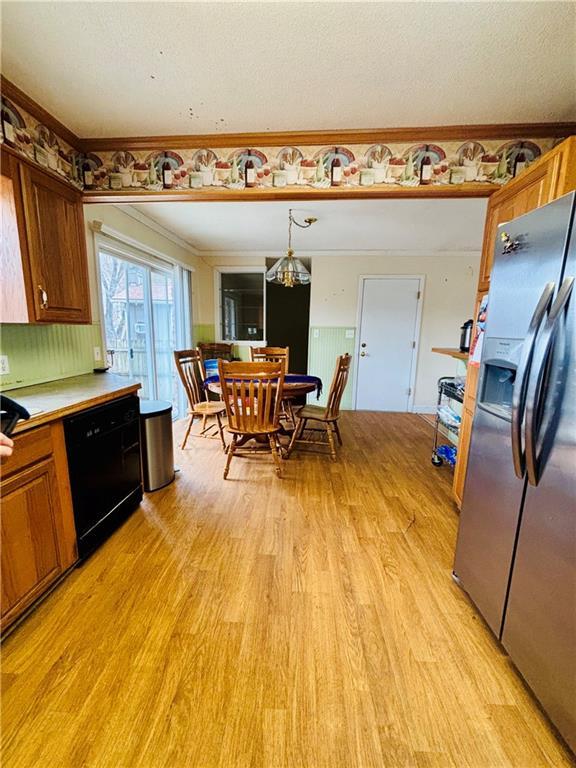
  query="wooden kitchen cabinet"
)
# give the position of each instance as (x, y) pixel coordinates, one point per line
(38, 535)
(550, 177)
(16, 285)
(45, 250)
(463, 448)
(496, 215)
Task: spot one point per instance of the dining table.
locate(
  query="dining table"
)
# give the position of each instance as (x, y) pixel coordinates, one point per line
(295, 385)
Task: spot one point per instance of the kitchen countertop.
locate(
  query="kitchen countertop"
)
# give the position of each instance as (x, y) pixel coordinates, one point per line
(56, 399)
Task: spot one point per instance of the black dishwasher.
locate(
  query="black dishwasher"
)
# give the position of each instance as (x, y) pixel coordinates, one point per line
(103, 446)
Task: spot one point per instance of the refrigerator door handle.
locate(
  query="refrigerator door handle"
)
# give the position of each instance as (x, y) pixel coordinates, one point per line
(520, 385)
(536, 393)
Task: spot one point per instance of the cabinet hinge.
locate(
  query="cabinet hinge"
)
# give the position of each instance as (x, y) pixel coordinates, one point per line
(413, 345)
(418, 294)
(409, 390)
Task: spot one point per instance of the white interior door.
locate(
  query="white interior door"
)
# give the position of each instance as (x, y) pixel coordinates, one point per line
(387, 343)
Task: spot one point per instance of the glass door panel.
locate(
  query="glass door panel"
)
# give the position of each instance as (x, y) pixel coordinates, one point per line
(164, 322)
(146, 316)
(126, 324)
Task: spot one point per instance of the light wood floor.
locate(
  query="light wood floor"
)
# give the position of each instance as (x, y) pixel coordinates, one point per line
(309, 622)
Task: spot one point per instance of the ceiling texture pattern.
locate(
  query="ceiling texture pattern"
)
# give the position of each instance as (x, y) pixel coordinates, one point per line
(145, 68)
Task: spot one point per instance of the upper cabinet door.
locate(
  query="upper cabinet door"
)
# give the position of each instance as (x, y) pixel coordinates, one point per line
(496, 215)
(56, 248)
(15, 288)
(552, 176)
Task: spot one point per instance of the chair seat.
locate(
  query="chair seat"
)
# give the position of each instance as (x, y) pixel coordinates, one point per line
(269, 431)
(313, 412)
(209, 409)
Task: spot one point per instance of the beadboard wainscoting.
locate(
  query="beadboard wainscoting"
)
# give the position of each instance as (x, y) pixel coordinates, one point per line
(324, 346)
(39, 353)
(203, 332)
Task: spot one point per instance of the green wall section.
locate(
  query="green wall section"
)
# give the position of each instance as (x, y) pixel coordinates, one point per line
(39, 353)
(241, 352)
(203, 332)
(325, 345)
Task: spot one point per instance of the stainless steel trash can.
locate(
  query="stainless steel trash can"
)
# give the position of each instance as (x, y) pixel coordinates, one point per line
(157, 443)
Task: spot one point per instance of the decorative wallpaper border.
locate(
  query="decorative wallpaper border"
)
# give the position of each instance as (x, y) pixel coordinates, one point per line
(315, 166)
(39, 143)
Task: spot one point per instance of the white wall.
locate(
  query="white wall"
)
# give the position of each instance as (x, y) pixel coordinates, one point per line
(449, 292)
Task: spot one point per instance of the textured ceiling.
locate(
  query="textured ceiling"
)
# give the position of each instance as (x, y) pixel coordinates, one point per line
(144, 68)
(343, 225)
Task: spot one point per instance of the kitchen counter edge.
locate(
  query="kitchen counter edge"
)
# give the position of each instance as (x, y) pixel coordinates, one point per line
(77, 403)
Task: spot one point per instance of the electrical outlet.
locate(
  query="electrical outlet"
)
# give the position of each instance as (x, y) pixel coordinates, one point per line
(4, 365)
(350, 333)
(97, 354)
(316, 333)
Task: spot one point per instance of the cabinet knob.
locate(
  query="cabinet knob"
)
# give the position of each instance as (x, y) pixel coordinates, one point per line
(43, 298)
(362, 354)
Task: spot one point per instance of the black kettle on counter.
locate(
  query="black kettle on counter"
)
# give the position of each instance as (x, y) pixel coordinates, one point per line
(10, 412)
(466, 336)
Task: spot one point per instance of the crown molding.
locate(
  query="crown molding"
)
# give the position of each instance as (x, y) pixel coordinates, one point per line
(151, 224)
(307, 138)
(99, 228)
(21, 99)
(214, 256)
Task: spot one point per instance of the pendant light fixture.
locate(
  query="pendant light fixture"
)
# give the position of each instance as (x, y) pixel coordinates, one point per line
(288, 270)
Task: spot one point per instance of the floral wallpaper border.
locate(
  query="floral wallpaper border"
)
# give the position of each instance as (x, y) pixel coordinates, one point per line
(363, 165)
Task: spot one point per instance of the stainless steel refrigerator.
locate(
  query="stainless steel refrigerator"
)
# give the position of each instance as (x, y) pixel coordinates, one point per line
(516, 548)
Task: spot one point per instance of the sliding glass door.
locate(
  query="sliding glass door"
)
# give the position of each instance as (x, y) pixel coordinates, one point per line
(163, 320)
(146, 316)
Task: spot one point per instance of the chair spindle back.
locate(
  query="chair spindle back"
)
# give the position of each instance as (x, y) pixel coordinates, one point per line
(210, 350)
(338, 386)
(191, 372)
(252, 393)
(271, 355)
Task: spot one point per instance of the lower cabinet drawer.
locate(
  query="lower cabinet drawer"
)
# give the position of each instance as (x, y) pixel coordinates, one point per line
(29, 447)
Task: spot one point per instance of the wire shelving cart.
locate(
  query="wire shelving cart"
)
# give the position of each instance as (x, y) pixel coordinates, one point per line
(447, 419)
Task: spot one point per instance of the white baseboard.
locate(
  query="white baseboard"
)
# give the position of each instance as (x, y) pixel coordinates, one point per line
(424, 409)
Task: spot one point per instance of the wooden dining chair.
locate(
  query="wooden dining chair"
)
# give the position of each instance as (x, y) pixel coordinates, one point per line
(271, 355)
(276, 355)
(210, 350)
(252, 394)
(191, 372)
(328, 416)
(214, 351)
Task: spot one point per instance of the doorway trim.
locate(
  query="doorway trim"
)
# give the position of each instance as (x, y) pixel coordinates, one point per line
(218, 271)
(415, 351)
